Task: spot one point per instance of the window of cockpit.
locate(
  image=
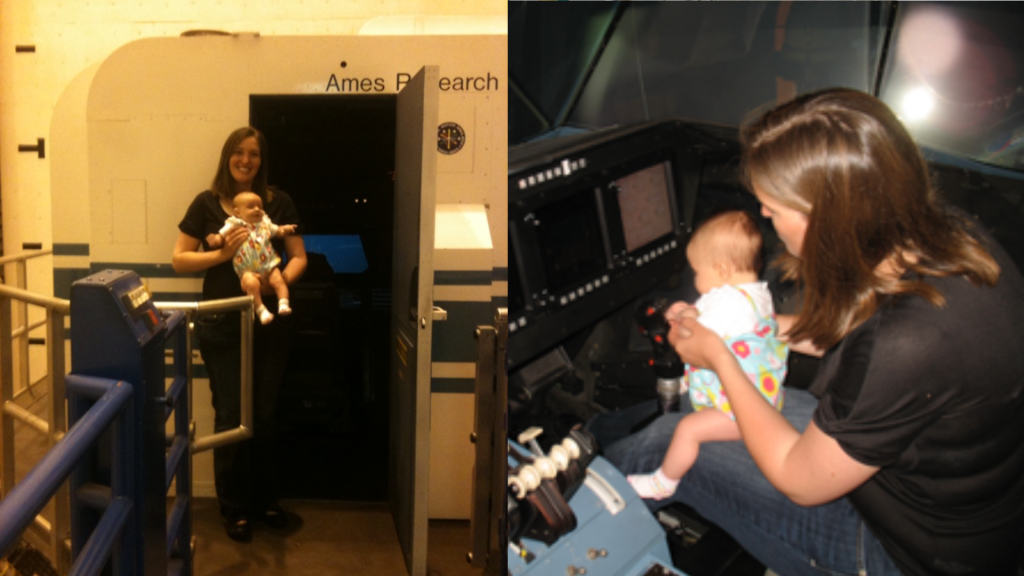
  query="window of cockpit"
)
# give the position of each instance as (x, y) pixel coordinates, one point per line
(956, 78)
(717, 62)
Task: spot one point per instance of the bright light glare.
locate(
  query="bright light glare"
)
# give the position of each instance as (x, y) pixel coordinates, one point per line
(917, 104)
(930, 42)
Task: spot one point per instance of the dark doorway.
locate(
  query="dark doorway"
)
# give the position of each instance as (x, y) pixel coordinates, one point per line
(335, 156)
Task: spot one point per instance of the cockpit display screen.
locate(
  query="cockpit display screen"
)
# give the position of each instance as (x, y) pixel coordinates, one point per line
(569, 233)
(515, 291)
(645, 206)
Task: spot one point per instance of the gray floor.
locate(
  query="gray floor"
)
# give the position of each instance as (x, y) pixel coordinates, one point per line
(325, 538)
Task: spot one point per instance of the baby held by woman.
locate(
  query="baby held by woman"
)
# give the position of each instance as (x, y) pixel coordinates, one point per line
(725, 256)
(256, 261)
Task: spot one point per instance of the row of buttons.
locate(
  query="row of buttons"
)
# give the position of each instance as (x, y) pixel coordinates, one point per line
(584, 290)
(580, 292)
(654, 253)
(566, 168)
(598, 282)
(516, 324)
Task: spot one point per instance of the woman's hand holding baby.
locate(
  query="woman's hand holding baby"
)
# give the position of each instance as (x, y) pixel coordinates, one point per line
(233, 240)
(695, 344)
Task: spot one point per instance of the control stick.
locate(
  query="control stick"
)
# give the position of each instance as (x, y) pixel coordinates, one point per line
(668, 367)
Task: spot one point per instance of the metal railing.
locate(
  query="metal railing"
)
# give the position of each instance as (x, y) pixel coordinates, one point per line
(487, 524)
(106, 516)
(19, 280)
(28, 498)
(193, 309)
(54, 537)
(178, 461)
(14, 350)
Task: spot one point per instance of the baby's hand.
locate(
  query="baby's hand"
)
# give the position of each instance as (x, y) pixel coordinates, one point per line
(286, 229)
(674, 313)
(215, 241)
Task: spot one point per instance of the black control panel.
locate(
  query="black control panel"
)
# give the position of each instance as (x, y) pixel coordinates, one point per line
(595, 220)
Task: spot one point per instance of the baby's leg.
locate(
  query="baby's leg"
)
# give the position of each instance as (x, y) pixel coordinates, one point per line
(692, 431)
(251, 285)
(280, 287)
(695, 429)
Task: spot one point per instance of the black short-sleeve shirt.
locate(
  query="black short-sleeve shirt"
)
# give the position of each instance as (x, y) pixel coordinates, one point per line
(934, 396)
(205, 216)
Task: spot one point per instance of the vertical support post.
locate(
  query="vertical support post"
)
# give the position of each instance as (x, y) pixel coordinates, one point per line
(483, 432)
(24, 362)
(488, 524)
(190, 430)
(6, 394)
(182, 533)
(247, 418)
(55, 361)
(499, 459)
(122, 486)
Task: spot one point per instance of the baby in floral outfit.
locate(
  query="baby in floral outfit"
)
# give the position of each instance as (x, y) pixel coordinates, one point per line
(256, 261)
(725, 256)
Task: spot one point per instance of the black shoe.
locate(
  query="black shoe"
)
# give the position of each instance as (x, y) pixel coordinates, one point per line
(275, 518)
(238, 528)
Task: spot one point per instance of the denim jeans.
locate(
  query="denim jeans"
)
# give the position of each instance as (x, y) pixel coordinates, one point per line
(726, 487)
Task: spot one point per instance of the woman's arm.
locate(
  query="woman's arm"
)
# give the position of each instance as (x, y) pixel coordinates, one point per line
(786, 322)
(295, 247)
(187, 257)
(809, 468)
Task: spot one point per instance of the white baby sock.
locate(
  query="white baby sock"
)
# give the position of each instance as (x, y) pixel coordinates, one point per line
(264, 314)
(283, 308)
(654, 486)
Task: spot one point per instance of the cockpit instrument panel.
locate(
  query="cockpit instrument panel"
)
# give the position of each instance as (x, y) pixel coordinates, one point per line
(595, 220)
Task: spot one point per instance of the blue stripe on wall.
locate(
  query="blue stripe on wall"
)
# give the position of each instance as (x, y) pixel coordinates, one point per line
(63, 278)
(177, 296)
(165, 270)
(454, 339)
(70, 249)
(453, 385)
(462, 277)
(144, 270)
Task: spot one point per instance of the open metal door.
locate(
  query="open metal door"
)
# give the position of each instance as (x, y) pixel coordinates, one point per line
(412, 282)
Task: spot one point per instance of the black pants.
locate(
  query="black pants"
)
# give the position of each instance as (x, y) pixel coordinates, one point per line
(245, 472)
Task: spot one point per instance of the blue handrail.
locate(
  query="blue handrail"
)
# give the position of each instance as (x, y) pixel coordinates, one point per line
(111, 457)
(97, 549)
(27, 499)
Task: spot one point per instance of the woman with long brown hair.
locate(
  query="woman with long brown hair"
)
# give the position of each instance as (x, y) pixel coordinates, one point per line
(245, 473)
(907, 454)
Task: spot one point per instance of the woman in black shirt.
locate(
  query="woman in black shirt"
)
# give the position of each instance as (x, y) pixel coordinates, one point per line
(245, 473)
(911, 460)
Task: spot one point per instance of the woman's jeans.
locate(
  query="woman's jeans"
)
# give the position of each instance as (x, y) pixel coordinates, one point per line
(726, 487)
(245, 472)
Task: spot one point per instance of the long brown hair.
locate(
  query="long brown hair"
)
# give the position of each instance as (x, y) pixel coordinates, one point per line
(223, 184)
(843, 158)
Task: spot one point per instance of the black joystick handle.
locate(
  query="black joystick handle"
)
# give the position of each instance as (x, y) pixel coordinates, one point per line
(650, 318)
